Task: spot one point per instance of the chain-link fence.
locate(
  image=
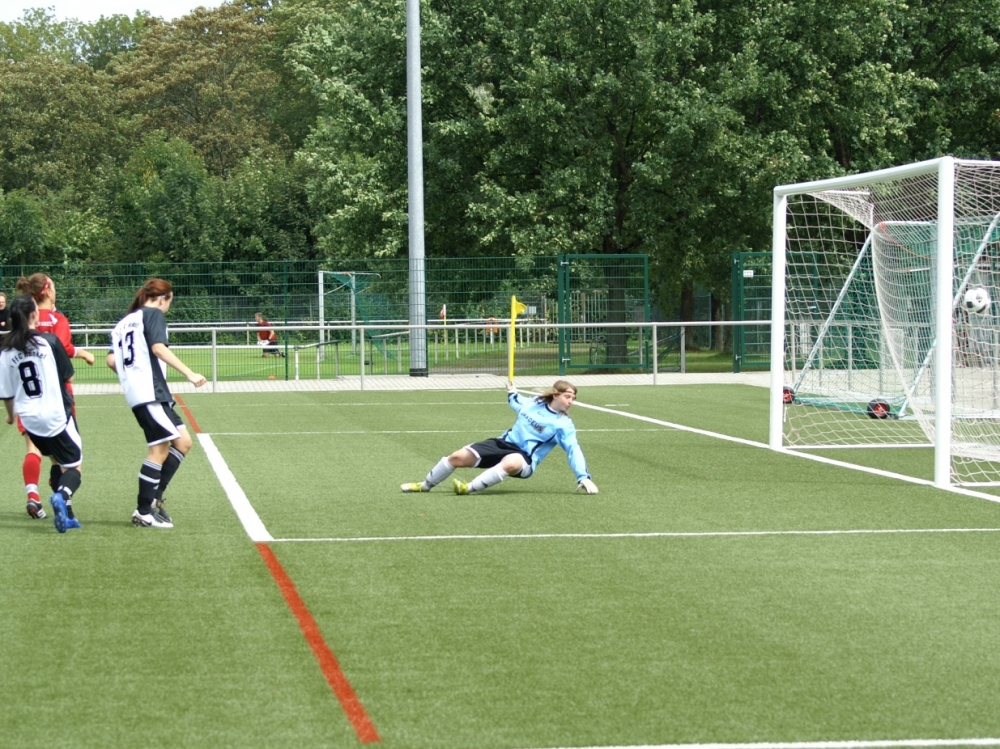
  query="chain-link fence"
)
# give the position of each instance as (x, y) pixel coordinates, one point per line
(469, 296)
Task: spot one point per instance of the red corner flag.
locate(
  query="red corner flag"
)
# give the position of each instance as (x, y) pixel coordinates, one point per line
(443, 314)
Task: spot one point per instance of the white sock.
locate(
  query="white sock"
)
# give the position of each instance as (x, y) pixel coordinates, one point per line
(438, 473)
(487, 478)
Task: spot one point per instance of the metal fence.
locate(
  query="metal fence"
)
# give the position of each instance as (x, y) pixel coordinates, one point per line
(311, 352)
(286, 291)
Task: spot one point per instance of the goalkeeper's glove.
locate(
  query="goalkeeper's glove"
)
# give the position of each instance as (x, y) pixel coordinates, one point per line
(588, 486)
(510, 387)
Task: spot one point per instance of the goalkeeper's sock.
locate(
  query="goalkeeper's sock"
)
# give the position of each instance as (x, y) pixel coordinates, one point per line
(487, 478)
(438, 473)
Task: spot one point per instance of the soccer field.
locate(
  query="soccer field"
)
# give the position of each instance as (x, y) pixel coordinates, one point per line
(714, 592)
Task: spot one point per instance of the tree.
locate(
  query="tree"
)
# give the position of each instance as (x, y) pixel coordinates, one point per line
(263, 211)
(202, 78)
(39, 33)
(108, 36)
(23, 229)
(58, 124)
(163, 205)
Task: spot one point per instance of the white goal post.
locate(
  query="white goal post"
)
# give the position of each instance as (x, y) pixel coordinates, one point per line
(884, 321)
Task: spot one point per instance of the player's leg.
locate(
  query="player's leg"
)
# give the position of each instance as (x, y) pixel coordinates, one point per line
(462, 458)
(512, 463)
(31, 471)
(66, 452)
(160, 431)
(175, 456)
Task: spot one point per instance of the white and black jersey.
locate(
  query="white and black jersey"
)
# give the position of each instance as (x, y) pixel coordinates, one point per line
(36, 380)
(141, 374)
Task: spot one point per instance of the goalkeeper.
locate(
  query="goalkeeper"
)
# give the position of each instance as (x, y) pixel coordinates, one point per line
(542, 423)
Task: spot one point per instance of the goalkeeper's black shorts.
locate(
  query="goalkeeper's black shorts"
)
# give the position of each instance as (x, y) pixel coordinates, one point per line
(492, 451)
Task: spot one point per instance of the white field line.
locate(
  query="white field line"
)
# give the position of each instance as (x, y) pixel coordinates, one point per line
(258, 532)
(237, 498)
(804, 455)
(650, 534)
(875, 744)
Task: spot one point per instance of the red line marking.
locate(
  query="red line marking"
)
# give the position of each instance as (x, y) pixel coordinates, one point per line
(187, 412)
(349, 701)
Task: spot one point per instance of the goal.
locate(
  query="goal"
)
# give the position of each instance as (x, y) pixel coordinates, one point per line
(884, 329)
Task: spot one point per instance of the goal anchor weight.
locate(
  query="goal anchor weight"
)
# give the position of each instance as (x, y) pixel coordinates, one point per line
(879, 409)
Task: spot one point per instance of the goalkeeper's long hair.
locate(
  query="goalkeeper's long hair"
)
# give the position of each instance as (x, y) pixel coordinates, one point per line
(152, 289)
(21, 334)
(559, 386)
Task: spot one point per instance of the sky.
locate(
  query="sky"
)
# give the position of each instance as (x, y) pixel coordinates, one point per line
(88, 11)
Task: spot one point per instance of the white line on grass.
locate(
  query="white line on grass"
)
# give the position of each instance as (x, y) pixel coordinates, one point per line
(237, 498)
(651, 534)
(875, 744)
(806, 456)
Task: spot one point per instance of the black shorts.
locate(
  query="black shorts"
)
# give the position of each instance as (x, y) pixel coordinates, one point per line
(66, 448)
(490, 452)
(159, 422)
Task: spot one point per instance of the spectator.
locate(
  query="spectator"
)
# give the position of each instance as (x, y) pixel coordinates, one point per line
(266, 337)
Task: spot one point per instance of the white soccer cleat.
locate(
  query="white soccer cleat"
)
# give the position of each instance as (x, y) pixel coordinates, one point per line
(148, 521)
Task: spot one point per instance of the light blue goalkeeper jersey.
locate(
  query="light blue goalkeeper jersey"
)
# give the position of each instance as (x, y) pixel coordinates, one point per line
(538, 429)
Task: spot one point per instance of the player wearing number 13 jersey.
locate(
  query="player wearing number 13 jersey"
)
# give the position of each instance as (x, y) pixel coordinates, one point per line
(34, 369)
(140, 354)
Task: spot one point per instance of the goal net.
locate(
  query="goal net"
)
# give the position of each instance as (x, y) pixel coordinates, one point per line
(867, 356)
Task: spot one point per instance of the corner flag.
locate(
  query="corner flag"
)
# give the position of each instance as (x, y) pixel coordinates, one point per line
(516, 308)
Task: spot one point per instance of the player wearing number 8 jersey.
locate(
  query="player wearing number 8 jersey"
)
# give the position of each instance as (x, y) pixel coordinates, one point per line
(43, 291)
(34, 370)
(140, 354)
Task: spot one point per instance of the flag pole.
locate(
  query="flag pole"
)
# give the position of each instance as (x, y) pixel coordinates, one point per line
(516, 308)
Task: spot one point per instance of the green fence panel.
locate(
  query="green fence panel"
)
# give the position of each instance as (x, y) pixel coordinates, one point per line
(751, 279)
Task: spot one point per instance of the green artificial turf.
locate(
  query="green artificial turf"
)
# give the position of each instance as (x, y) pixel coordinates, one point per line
(688, 602)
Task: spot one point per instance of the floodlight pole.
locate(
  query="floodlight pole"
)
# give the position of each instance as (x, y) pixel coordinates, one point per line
(415, 174)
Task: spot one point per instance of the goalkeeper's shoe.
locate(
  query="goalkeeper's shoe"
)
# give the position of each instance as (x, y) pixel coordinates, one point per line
(148, 521)
(36, 510)
(460, 487)
(416, 486)
(160, 513)
(72, 523)
(61, 519)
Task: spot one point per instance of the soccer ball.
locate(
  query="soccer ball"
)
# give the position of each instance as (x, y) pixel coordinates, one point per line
(976, 300)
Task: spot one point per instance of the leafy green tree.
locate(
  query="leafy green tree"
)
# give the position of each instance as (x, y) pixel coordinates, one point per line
(203, 78)
(38, 32)
(108, 36)
(58, 124)
(23, 229)
(163, 206)
(956, 46)
(263, 211)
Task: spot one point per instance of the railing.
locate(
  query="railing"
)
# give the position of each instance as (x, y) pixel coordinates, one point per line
(451, 349)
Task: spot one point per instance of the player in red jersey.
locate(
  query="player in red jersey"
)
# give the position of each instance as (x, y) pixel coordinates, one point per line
(40, 287)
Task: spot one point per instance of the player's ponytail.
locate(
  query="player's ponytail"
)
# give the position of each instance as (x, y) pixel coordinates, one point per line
(21, 333)
(559, 386)
(152, 289)
(36, 284)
